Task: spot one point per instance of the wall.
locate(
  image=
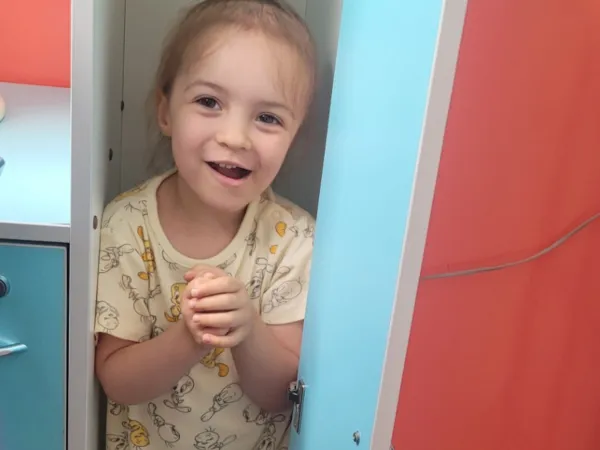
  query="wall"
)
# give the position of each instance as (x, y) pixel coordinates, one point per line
(510, 360)
(35, 42)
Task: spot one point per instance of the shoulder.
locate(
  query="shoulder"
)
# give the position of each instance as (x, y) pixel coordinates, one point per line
(129, 208)
(282, 217)
(284, 231)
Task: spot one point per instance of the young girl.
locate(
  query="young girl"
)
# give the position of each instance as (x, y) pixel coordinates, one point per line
(203, 271)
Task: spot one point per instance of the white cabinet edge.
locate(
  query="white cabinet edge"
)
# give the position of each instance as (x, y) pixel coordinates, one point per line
(54, 233)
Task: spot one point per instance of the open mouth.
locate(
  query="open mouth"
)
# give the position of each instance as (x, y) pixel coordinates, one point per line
(230, 171)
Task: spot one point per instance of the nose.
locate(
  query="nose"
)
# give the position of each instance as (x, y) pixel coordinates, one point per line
(234, 134)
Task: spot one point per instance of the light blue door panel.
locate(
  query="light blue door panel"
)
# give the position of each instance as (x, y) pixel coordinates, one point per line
(385, 57)
(32, 380)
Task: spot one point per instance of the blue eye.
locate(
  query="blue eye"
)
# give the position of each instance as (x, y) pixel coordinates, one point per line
(208, 102)
(269, 119)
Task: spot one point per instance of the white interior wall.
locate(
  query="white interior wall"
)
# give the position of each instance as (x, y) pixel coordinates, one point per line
(96, 92)
(147, 22)
(300, 177)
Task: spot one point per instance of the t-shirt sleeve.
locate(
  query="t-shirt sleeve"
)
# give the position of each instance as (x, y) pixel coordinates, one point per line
(124, 285)
(284, 301)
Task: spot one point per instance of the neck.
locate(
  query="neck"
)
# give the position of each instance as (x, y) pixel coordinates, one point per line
(202, 217)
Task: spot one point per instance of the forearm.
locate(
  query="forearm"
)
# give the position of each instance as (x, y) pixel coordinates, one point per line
(266, 368)
(143, 371)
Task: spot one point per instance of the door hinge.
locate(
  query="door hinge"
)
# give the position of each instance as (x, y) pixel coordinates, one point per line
(296, 395)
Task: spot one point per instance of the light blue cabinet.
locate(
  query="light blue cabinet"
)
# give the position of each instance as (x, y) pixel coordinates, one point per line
(33, 346)
(393, 81)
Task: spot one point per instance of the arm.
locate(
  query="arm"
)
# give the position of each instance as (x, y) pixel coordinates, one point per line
(267, 362)
(133, 373)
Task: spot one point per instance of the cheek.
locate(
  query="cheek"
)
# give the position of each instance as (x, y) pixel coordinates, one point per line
(273, 153)
(189, 132)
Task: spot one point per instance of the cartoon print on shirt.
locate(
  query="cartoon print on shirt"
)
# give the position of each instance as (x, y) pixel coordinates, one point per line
(210, 440)
(228, 262)
(308, 232)
(166, 431)
(110, 257)
(106, 221)
(252, 240)
(280, 228)
(107, 316)
(273, 249)
(254, 414)
(183, 388)
(210, 362)
(138, 434)
(282, 294)
(147, 256)
(153, 333)
(141, 305)
(267, 439)
(141, 208)
(254, 286)
(115, 409)
(120, 441)
(229, 394)
(172, 264)
(174, 312)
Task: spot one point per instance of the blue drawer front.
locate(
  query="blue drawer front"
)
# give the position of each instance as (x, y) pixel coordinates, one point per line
(33, 382)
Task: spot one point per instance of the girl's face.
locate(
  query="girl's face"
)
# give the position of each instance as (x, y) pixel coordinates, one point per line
(232, 118)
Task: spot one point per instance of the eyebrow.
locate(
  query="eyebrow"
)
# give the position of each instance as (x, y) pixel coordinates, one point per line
(209, 84)
(221, 89)
(276, 105)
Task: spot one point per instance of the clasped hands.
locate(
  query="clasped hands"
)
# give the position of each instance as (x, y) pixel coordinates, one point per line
(216, 308)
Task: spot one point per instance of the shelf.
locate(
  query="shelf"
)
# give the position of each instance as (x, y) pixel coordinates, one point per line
(35, 143)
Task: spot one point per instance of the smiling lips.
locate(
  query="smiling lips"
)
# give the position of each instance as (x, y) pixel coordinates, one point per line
(229, 170)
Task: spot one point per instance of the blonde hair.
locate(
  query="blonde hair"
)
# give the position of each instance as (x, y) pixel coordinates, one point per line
(202, 25)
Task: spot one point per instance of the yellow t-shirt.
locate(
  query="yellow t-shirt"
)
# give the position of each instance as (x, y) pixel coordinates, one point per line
(139, 286)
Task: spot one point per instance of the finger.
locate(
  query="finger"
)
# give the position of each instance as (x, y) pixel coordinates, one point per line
(190, 276)
(216, 286)
(216, 331)
(197, 331)
(197, 271)
(216, 303)
(194, 285)
(219, 320)
(228, 341)
(202, 270)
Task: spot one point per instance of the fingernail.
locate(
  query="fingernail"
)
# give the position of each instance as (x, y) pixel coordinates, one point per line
(194, 293)
(196, 318)
(206, 339)
(209, 276)
(192, 303)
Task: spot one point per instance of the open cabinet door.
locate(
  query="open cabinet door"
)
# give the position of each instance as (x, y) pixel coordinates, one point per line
(394, 76)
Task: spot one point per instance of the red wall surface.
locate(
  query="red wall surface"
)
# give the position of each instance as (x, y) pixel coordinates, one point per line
(510, 360)
(35, 42)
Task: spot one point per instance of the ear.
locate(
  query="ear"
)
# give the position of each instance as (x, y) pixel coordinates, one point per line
(164, 114)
